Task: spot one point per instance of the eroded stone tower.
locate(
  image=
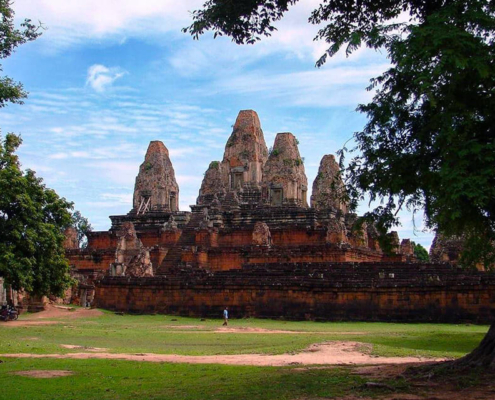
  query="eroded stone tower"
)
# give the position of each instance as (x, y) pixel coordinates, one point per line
(284, 177)
(156, 189)
(239, 174)
(328, 188)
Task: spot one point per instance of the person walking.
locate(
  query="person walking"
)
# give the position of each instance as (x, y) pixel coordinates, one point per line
(225, 316)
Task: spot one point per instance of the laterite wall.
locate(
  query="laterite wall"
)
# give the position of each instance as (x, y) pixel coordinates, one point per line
(455, 303)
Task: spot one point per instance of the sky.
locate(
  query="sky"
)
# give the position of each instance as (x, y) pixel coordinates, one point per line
(108, 76)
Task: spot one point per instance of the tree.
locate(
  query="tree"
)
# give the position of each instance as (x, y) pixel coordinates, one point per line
(420, 252)
(32, 222)
(10, 39)
(82, 226)
(429, 142)
(32, 217)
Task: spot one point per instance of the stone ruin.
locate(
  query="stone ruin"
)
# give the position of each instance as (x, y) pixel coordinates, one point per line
(328, 188)
(156, 189)
(284, 179)
(250, 229)
(71, 241)
(131, 257)
(251, 199)
(446, 249)
(238, 176)
(262, 235)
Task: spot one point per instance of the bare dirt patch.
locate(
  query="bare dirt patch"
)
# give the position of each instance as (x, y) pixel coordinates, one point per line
(74, 346)
(49, 373)
(269, 331)
(332, 353)
(186, 327)
(47, 316)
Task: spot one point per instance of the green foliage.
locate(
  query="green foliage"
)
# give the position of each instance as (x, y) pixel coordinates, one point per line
(244, 21)
(214, 165)
(32, 223)
(477, 252)
(429, 141)
(273, 152)
(32, 217)
(148, 166)
(293, 163)
(82, 226)
(420, 252)
(10, 39)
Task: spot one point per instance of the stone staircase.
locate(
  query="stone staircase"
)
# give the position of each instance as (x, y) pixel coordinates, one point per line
(250, 195)
(173, 259)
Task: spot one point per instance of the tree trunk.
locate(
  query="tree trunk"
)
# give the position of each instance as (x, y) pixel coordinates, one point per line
(481, 356)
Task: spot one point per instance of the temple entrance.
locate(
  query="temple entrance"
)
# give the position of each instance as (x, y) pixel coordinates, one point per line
(276, 197)
(304, 198)
(237, 180)
(83, 298)
(173, 202)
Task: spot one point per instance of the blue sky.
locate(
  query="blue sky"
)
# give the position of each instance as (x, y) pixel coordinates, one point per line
(108, 76)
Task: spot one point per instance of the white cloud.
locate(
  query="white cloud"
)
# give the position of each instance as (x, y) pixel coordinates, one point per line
(74, 22)
(120, 172)
(336, 86)
(58, 156)
(123, 198)
(101, 77)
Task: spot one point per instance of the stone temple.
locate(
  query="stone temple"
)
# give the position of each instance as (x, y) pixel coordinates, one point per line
(255, 242)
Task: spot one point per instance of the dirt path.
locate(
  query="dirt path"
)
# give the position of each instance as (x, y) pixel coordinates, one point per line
(53, 312)
(271, 331)
(332, 353)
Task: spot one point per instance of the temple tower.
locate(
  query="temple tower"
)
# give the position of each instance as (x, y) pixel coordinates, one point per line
(284, 177)
(212, 186)
(156, 189)
(328, 188)
(241, 169)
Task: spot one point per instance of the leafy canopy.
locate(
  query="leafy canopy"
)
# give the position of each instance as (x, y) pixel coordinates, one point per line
(32, 222)
(82, 226)
(420, 252)
(32, 217)
(429, 140)
(10, 39)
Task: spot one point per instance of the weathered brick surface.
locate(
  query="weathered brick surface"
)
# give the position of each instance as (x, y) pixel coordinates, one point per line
(90, 259)
(101, 240)
(394, 292)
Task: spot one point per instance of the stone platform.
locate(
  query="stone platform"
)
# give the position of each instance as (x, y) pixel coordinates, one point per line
(308, 291)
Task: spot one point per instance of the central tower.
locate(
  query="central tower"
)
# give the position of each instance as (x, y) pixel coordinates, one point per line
(239, 175)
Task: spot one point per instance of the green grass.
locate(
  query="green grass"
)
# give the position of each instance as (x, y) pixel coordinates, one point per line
(104, 379)
(115, 379)
(156, 334)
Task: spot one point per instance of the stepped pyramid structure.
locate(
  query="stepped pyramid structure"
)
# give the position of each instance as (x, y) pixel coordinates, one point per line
(254, 242)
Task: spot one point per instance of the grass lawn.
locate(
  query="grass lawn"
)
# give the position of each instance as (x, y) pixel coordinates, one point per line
(190, 336)
(105, 379)
(112, 379)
